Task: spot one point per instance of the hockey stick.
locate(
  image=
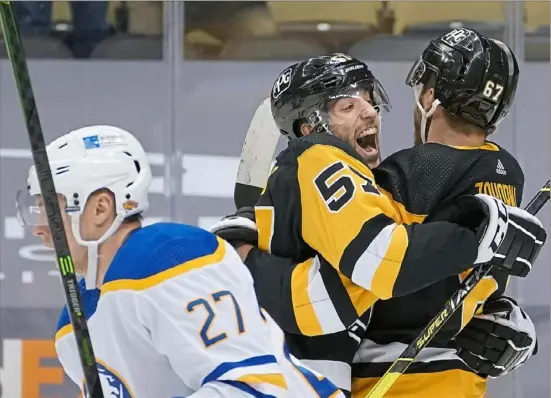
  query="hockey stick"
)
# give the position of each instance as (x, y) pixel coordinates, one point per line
(256, 156)
(408, 356)
(14, 48)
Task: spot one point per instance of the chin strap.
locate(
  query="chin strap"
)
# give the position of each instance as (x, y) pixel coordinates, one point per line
(378, 138)
(93, 247)
(425, 115)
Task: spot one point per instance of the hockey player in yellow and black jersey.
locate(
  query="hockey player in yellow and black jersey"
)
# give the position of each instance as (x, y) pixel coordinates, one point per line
(356, 243)
(452, 158)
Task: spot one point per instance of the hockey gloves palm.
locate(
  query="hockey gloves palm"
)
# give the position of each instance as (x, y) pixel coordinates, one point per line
(508, 237)
(238, 228)
(498, 341)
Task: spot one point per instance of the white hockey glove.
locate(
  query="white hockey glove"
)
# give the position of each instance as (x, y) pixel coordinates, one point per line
(509, 237)
(499, 341)
(238, 228)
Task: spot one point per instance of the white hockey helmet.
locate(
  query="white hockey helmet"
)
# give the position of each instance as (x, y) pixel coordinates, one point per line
(83, 162)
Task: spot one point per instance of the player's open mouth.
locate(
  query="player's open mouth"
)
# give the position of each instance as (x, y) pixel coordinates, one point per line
(367, 142)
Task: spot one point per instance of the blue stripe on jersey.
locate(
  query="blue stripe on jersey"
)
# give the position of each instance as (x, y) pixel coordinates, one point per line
(225, 367)
(248, 389)
(324, 387)
(153, 249)
(89, 303)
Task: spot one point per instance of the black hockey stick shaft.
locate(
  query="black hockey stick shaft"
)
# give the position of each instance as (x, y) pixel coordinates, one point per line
(456, 301)
(16, 54)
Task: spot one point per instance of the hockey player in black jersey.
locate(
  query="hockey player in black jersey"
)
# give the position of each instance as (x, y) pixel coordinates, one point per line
(464, 88)
(328, 291)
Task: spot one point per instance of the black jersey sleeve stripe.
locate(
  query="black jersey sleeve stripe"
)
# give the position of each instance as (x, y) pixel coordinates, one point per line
(338, 293)
(370, 230)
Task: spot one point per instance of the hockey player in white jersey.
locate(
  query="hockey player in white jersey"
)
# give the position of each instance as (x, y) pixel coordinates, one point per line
(171, 308)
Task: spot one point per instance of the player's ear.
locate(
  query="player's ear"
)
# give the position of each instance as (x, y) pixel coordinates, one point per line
(427, 98)
(103, 207)
(305, 129)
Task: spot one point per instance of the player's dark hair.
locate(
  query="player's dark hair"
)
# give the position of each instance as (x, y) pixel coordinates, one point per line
(297, 126)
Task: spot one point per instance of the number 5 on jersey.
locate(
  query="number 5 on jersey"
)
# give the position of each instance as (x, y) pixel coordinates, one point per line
(217, 297)
(337, 185)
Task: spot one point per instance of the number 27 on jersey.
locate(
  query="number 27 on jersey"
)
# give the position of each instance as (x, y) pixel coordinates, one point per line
(210, 306)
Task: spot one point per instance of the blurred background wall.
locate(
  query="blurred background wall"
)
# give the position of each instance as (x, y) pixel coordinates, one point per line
(186, 77)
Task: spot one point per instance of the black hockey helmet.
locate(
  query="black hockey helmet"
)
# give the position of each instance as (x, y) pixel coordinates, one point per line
(303, 91)
(475, 77)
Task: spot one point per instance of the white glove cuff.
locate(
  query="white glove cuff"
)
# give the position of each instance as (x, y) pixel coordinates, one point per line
(237, 222)
(495, 230)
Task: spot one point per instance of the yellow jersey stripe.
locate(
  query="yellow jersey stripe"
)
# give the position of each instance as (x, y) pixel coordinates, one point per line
(389, 267)
(264, 216)
(274, 379)
(488, 146)
(63, 331)
(450, 384)
(306, 318)
(481, 292)
(146, 283)
(361, 299)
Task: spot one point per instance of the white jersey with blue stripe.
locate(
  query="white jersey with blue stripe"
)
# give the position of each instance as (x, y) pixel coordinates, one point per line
(177, 316)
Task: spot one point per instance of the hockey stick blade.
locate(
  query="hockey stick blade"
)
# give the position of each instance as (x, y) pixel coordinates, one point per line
(456, 301)
(14, 48)
(256, 156)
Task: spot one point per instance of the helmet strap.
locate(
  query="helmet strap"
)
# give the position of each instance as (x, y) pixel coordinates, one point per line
(93, 246)
(425, 115)
(378, 138)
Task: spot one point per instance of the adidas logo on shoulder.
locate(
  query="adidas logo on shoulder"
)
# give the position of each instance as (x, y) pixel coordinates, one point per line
(500, 169)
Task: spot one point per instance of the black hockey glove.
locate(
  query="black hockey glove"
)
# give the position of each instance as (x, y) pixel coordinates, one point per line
(509, 237)
(238, 228)
(498, 341)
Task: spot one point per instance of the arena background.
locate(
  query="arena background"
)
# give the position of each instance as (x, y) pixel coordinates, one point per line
(185, 78)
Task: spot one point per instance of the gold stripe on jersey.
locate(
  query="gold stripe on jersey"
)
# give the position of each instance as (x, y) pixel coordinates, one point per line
(264, 216)
(389, 268)
(504, 192)
(481, 292)
(63, 331)
(337, 200)
(488, 146)
(267, 378)
(305, 316)
(446, 384)
(267, 179)
(325, 301)
(322, 293)
(361, 299)
(149, 282)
